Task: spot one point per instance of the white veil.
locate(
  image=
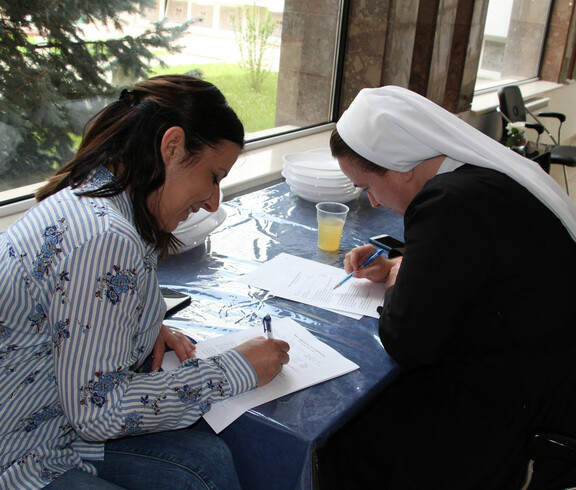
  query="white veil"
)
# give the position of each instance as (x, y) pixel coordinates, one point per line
(398, 129)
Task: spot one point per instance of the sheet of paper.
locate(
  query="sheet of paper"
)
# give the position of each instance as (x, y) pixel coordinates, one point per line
(312, 283)
(170, 361)
(311, 362)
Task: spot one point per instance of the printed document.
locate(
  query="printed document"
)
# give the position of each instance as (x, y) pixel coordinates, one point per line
(312, 283)
(311, 362)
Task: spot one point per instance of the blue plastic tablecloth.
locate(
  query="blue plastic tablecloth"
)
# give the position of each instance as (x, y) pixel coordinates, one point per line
(274, 444)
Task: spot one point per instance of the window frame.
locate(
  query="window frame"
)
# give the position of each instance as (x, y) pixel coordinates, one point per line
(520, 80)
(14, 204)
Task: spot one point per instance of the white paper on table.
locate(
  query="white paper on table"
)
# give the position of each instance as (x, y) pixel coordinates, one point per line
(312, 283)
(311, 362)
(170, 361)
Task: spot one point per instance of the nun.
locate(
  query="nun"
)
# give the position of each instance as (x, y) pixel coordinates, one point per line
(479, 308)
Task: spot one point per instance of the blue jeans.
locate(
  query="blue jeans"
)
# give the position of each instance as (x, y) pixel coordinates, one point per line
(185, 459)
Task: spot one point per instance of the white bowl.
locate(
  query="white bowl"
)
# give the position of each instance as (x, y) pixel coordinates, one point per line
(311, 174)
(316, 197)
(195, 218)
(319, 159)
(322, 151)
(194, 230)
(316, 176)
(318, 189)
(334, 184)
(323, 166)
(194, 234)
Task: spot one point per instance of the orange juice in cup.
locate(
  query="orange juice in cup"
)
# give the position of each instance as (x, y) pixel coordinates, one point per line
(331, 219)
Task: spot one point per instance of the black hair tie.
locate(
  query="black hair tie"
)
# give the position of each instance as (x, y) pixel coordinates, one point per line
(129, 98)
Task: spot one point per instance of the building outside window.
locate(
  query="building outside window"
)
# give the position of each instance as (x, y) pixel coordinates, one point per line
(275, 61)
(514, 36)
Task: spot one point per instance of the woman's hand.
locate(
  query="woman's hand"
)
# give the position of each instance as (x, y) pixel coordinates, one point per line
(177, 341)
(267, 357)
(379, 270)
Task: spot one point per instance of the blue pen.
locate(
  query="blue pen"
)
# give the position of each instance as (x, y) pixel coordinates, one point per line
(366, 262)
(267, 324)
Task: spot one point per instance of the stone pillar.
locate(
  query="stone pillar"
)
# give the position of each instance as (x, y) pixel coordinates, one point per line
(558, 57)
(430, 46)
(365, 47)
(306, 72)
(465, 51)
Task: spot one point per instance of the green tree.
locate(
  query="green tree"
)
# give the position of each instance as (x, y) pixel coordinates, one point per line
(253, 25)
(52, 78)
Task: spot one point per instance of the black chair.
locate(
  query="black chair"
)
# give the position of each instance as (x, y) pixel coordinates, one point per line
(512, 109)
(546, 445)
(551, 446)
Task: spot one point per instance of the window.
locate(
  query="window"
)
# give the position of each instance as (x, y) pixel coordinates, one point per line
(514, 36)
(274, 60)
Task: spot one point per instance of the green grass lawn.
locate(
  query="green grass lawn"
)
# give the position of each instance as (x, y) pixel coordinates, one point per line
(257, 111)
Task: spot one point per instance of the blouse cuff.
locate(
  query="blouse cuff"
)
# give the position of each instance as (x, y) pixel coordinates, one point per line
(240, 373)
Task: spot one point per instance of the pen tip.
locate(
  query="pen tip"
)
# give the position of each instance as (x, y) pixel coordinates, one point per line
(337, 286)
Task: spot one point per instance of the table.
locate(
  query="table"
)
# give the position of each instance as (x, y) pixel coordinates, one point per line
(274, 445)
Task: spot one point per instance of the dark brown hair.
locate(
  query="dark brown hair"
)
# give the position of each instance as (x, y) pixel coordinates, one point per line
(340, 149)
(126, 136)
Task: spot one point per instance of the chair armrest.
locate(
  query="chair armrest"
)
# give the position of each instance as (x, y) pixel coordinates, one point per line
(558, 115)
(538, 127)
(551, 445)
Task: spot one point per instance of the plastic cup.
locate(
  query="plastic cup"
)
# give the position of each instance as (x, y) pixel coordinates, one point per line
(331, 219)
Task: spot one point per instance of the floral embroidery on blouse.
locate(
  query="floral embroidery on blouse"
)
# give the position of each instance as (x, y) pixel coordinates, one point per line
(150, 262)
(216, 386)
(60, 287)
(187, 394)
(154, 404)
(5, 331)
(26, 381)
(204, 407)
(99, 177)
(218, 363)
(99, 208)
(191, 362)
(61, 332)
(95, 391)
(47, 413)
(113, 284)
(38, 318)
(132, 423)
(52, 237)
(85, 327)
(49, 476)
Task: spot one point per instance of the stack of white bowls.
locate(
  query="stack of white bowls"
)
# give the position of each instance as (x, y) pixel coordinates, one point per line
(316, 177)
(198, 226)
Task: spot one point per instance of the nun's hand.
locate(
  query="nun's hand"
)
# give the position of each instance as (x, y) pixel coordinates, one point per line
(376, 271)
(393, 272)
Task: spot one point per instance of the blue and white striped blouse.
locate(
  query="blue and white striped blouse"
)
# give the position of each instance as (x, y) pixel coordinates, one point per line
(80, 309)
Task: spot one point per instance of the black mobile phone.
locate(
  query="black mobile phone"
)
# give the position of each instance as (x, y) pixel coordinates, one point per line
(174, 299)
(386, 242)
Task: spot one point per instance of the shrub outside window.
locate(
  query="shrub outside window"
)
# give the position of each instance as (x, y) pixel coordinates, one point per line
(273, 59)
